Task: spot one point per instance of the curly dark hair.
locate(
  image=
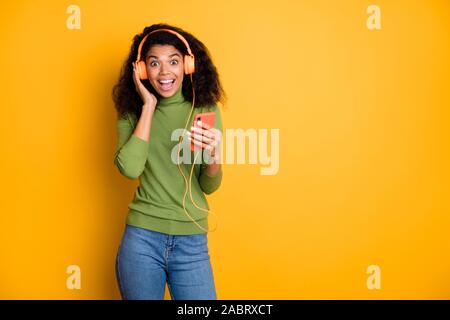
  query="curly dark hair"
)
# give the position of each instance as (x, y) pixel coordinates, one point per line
(208, 89)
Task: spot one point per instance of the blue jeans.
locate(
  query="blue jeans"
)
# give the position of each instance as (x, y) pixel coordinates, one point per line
(146, 259)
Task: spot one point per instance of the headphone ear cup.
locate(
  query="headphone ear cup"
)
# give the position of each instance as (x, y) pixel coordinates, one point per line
(142, 69)
(189, 64)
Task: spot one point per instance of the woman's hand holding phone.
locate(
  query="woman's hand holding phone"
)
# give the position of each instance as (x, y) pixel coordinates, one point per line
(206, 137)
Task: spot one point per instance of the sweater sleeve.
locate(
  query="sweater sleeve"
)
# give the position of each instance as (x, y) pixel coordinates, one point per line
(208, 183)
(131, 151)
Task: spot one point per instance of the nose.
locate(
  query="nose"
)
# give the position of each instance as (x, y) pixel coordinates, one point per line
(163, 68)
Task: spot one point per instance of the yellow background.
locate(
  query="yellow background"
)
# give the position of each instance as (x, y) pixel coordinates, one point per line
(364, 146)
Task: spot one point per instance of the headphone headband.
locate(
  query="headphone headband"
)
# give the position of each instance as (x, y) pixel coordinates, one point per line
(179, 36)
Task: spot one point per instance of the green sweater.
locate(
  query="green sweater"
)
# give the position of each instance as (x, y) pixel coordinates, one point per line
(158, 200)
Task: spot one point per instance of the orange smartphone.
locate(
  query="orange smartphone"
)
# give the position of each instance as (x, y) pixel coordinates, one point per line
(208, 118)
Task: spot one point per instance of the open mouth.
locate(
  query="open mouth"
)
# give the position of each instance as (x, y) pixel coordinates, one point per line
(166, 85)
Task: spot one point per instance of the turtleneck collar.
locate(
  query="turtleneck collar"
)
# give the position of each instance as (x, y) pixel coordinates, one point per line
(176, 98)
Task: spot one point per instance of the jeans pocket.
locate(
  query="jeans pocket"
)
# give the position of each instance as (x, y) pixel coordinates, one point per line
(199, 244)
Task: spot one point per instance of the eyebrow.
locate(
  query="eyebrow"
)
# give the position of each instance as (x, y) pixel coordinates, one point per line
(173, 54)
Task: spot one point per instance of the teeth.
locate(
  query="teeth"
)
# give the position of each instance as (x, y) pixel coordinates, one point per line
(166, 81)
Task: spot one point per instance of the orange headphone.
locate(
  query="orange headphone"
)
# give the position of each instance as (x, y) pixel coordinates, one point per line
(189, 68)
(189, 59)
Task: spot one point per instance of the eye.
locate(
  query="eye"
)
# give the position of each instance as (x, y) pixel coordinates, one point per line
(174, 62)
(154, 63)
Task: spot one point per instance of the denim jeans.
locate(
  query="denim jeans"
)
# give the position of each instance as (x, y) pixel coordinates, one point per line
(147, 259)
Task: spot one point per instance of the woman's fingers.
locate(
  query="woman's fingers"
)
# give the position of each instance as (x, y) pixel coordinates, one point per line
(201, 131)
(137, 80)
(198, 143)
(146, 96)
(134, 75)
(200, 137)
(211, 135)
(204, 125)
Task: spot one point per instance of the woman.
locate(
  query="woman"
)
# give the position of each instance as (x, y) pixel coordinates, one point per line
(167, 79)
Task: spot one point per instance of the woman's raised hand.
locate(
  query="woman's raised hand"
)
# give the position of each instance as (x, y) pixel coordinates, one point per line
(147, 97)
